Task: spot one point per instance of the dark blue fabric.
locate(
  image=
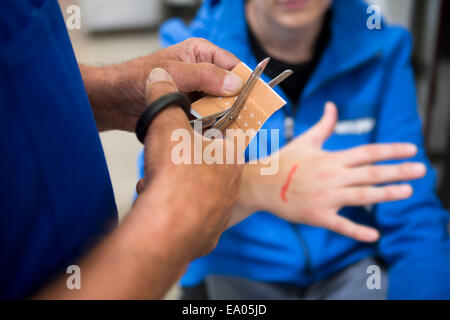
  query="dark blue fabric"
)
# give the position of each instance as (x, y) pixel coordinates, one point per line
(56, 197)
(368, 74)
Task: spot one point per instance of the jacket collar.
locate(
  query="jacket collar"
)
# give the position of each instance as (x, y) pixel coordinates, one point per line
(352, 44)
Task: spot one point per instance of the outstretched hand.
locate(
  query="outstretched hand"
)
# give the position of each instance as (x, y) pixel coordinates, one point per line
(312, 184)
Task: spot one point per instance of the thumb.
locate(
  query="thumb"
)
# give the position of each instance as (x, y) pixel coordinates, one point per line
(158, 143)
(205, 77)
(159, 83)
(323, 129)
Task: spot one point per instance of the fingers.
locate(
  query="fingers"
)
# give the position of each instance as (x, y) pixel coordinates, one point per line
(360, 196)
(198, 65)
(350, 229)
(205, 51)
(375, 153)
(372, 175)
(204, 77)
(322, 130)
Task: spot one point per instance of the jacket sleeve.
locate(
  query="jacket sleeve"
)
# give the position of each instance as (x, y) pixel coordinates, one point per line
(415, 242)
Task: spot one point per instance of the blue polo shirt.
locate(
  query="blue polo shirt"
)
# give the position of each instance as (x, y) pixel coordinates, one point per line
(56, 197)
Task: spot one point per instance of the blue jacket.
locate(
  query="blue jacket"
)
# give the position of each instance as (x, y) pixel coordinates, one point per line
(368, 74)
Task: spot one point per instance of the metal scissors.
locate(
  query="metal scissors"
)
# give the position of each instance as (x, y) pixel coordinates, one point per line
(223, 119)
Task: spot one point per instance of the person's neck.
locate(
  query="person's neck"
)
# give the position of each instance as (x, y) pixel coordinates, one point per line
(289, 45)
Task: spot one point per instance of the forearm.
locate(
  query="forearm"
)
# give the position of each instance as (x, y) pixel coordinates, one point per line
(116, 93)
(141, 259)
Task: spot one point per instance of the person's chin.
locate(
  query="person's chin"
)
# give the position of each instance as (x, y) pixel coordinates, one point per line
(297, 21)
(293, 5)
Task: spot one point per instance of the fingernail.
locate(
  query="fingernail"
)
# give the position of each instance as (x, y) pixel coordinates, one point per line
(419, 168)
(411, 148)
(372, 235)
(159, 75)
(405, 190)
(232, 83)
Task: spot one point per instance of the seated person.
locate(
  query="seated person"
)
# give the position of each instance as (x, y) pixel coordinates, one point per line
(274, 254)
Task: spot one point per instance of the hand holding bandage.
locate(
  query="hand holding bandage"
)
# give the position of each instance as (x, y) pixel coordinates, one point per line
(203, 193)
(116, 92)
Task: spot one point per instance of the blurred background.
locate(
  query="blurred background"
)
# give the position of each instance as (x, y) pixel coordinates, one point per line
(113, 31)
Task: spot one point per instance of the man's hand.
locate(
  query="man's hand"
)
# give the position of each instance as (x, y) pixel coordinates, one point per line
(312, 184)
(203, 193)
(117, 92)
